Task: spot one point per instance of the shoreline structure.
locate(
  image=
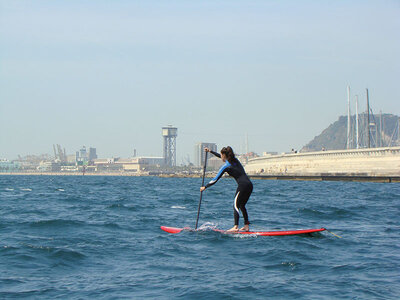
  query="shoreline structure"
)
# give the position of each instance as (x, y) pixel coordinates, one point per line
(373, 164)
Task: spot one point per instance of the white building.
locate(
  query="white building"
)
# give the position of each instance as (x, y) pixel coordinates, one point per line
(199, 153)
(135, 165)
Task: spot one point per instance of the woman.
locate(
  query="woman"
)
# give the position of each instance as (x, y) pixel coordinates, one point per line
(235, 169)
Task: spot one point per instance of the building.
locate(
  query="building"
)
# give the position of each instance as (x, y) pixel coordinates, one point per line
(83, 157)
(9, 166)
(107, 165)
(199, 152)
(138, 165)
(214, 163)
(142, 164)
(49, 166)
(244, 158)
(169, 134)
(71, 159)
(92, 154)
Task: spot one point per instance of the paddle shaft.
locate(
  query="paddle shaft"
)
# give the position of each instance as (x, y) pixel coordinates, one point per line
(201, 193)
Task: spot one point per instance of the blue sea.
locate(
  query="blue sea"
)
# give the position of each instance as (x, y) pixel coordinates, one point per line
(85, 237)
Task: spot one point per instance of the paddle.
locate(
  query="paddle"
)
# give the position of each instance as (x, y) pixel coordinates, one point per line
(201, 193)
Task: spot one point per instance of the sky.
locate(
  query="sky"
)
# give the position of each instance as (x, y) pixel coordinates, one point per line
(110, 74)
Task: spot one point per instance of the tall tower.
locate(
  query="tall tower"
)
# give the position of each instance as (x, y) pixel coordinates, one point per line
(169, 134)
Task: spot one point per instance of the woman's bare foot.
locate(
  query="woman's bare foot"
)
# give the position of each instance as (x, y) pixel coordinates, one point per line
(245, 228)
(233, 229)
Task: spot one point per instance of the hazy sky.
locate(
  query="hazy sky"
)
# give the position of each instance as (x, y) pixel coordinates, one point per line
(110, 74)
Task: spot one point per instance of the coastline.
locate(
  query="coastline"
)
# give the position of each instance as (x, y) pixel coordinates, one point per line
(166, 175)
(297, 177)
(352, 178)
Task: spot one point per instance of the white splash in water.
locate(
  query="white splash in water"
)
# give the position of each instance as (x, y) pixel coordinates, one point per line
(242, 236)
(178, 207)
(26, 189)
(208, 226)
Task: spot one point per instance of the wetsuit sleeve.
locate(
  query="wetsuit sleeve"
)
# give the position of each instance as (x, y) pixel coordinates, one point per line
(216, 154)
(219, 175)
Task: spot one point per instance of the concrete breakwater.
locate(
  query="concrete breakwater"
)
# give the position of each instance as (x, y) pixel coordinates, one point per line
(382, 164)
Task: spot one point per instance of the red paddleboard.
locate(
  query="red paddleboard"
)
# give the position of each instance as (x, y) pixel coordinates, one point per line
(261, 233)
(173, 229)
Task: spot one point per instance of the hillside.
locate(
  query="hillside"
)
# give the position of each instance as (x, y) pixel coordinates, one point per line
(335, 136)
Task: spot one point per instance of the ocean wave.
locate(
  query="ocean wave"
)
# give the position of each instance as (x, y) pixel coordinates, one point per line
(56, 223)
(105, 224)
(89, 243)
(67, 254)
(291, 265)
(11, 280)
(282, 265)
(24, 257)
(111, 225)
(178, 207)
(115, 205)
(328, 213)
(6, 249)
(54, 252)
(348, 267)
(27, 293)
(310, 211)
(122, 206)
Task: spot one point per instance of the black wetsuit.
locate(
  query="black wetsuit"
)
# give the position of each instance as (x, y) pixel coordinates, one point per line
(244, 189)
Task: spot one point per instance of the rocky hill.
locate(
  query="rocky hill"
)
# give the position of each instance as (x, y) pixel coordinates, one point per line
(335, 136)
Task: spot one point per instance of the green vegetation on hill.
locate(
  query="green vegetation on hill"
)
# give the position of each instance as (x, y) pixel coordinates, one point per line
(335, 136)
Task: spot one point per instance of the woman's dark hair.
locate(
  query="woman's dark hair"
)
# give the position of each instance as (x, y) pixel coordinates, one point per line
(228, 152)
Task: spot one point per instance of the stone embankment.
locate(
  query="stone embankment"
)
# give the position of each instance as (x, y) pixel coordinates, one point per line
(374, 164)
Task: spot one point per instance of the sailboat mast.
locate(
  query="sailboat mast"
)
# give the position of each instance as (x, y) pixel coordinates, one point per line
(357, 143)
(380, 130)
(348, 117)
(368, 133)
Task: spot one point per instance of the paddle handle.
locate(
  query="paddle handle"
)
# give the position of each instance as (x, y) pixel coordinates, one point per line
(201, 193)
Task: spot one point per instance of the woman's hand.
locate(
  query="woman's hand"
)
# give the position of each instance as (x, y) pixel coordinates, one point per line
(206, 149)
(202, 188)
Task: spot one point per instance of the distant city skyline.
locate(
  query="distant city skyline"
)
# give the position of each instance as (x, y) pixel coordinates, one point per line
(109, 75)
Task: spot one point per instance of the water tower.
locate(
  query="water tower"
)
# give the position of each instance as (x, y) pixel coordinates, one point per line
(169, 151)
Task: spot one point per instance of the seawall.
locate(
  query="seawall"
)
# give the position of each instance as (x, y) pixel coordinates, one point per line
(374, 164)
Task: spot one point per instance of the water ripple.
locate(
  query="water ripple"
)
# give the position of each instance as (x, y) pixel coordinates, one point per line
(84, 237)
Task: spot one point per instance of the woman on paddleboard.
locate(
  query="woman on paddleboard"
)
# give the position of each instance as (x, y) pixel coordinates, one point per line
(235, 169)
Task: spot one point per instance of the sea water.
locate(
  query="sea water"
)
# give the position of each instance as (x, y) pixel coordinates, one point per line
(81, 237)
